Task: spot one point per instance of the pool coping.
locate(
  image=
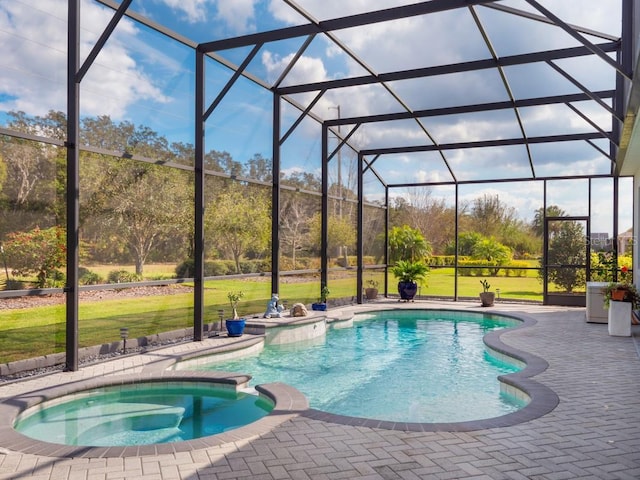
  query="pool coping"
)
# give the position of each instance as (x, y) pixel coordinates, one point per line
(288, 403)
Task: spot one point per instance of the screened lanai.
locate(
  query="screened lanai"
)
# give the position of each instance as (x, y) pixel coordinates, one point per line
(155, 156)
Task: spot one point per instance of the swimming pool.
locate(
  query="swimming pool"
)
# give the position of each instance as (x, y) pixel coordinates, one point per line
(149, 413)
(398, 365)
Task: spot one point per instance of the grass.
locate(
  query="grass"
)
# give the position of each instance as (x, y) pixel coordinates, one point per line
(440, 282)
(30, 332)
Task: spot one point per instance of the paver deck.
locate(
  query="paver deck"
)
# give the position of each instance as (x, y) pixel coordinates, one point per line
(593, 433)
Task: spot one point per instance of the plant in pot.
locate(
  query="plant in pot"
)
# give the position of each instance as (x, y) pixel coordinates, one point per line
(409, 275)
(371, 292)
(621, 292)
(235, 325)
(486, 297)
(321, 304)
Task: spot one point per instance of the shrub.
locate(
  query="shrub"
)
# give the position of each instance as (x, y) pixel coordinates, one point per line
(302, 263)
(87, 277)
(54, 279)
(255, 266)
(247, 266)
(216, 268)
(38, 252)
(474, 268)
(444, 260)
(516, 268)
(263, 265)
(160, 276)
(122, 276)
(185, 269)
(12, 284)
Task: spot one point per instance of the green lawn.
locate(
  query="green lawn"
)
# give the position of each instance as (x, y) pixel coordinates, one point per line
(440, 282)
(30, 332)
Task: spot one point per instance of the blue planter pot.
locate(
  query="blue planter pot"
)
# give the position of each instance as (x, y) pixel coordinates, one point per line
(320, 307)
(235, 328)
(407, 290)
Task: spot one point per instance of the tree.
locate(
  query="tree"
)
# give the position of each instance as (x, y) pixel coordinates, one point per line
(237, 219)
(406, 243)
(259, 168)
(518, 237)
(131, 210)
(467, 242)
(341, 232)
(3, 176)
(400, 211)
(489, 215)
(30, 166)
(294, 224)
(38, 252)
(433, 217)
(142, 203)
(537, 224)
(493, 252)
(566, 249)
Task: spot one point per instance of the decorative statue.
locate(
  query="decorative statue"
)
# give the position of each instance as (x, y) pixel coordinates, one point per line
(298, 310)
(273, 309)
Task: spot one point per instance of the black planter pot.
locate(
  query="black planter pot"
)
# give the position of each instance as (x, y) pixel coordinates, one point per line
(407, 290)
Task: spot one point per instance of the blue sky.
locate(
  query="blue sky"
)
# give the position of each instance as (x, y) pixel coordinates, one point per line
(143, 77)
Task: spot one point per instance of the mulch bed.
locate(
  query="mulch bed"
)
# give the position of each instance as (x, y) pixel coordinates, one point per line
(30, 301)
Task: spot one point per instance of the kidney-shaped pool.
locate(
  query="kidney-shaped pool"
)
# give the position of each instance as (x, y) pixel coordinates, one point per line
(397, 365)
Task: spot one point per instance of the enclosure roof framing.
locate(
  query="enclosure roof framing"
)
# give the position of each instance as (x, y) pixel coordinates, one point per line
(555, 47)
(581, 101)
(368, 18)
(447, 69)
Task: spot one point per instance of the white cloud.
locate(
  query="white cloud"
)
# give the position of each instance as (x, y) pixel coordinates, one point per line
(34, 61)
(306, 69)
(288, 172)
(284, 13)
(239, 15)
(599, 15)
(194, 10)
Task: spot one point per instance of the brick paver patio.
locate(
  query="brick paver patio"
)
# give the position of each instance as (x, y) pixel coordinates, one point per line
(593, 433)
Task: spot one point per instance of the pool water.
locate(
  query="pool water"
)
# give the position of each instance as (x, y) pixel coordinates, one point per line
(406, 366)
(141, 414)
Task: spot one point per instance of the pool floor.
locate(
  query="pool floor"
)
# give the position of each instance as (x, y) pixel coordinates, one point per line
(405, 366)
(141, 415)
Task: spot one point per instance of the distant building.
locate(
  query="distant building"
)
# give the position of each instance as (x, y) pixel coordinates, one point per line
(601, 241)
(625, 242)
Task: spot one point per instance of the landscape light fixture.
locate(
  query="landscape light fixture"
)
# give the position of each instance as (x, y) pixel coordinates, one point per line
(221, 317)
(124, 334)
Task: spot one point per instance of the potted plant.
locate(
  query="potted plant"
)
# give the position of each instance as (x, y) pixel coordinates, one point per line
(621, 292)
(486, 297)
(371, 292)
(235, 325)
(409, 274)
(321, 304)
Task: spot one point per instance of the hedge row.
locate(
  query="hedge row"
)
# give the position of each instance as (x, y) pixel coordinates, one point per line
(228, 267)
(481, 268)
(492, 269)
(214, 268)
